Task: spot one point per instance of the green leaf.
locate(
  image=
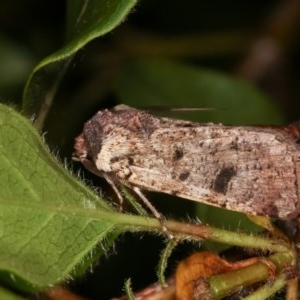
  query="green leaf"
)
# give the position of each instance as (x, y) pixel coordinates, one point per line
(156, 82)
(86, 20)
(8, 295)
(49, 221)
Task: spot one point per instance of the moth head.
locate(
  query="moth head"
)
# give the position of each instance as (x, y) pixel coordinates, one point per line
(89, 143)
(86, 147)
(83, 154)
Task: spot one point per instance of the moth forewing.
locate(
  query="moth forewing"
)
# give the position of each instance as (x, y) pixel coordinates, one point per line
(253, 170)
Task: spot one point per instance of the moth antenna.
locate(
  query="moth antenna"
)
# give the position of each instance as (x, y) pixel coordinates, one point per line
(175, 109)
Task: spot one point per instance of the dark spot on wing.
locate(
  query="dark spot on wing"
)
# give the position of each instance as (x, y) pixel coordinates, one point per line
(130, 160)
(221, 182)
(233, 145)
(178, 154)
(184, 175)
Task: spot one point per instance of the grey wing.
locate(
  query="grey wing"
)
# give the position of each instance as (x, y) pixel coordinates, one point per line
(240, 168)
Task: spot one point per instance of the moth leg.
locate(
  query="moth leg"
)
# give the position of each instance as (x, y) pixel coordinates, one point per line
(116, 190)
(91, 167)
(154, 211)
(148, 203)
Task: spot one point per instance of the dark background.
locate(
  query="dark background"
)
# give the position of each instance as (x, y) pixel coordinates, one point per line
(218, 35)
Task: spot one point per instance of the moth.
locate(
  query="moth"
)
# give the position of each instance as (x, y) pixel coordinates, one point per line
(253, 170)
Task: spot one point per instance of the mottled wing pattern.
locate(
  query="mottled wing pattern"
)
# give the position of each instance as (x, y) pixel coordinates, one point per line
(243, 169)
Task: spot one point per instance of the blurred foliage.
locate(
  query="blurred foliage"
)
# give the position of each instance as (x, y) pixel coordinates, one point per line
(239, 58)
